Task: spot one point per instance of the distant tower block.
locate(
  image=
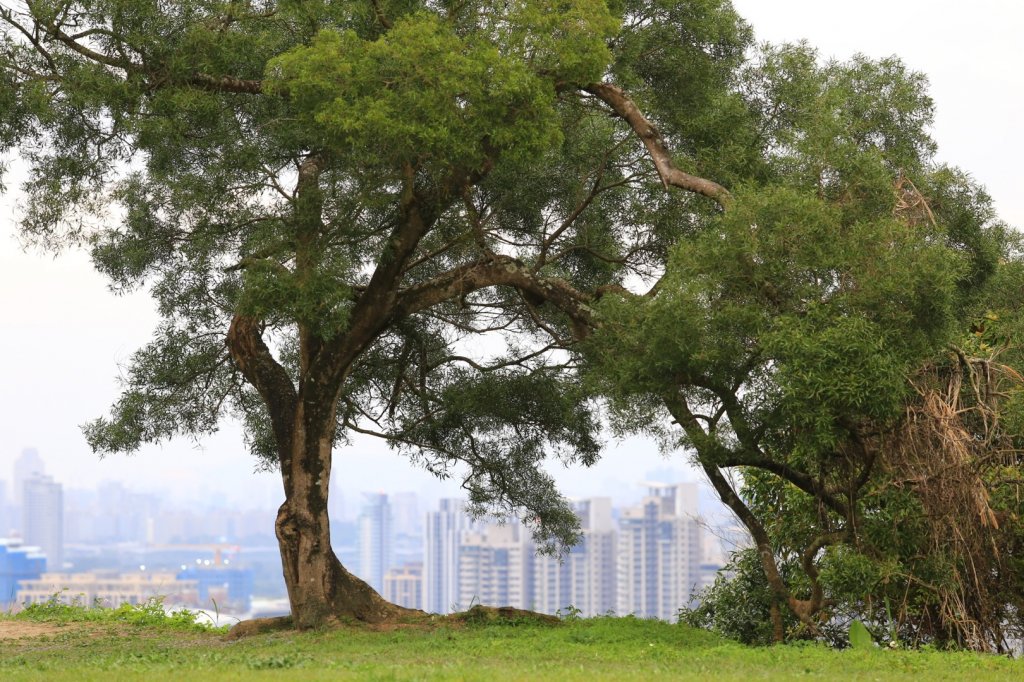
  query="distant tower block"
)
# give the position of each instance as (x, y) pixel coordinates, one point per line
(376, 540)
(28, 464)
(443, 533)
(404, 586)
(496, 567)
(43, 518)
(659, 552)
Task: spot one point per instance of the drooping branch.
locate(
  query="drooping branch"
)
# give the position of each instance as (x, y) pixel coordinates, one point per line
(616, 98)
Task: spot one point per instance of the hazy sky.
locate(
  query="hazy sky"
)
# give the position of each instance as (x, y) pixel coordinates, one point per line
(64, 335)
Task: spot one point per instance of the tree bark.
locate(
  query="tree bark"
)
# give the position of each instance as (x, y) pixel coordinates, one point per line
(320, 589)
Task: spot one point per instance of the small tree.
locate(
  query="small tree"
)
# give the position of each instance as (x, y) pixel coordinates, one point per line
(826, 338)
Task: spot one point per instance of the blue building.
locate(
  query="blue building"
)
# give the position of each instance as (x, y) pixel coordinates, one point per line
(17, 563)
(237, 581)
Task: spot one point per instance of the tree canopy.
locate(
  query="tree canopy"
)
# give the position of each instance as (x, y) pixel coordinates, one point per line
(833, 337)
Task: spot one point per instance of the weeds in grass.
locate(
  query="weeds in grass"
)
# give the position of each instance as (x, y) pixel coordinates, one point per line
(149, 614)
(569, 614)
(278, 662)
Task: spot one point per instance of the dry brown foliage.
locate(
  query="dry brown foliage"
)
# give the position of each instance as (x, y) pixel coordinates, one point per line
(945, 452)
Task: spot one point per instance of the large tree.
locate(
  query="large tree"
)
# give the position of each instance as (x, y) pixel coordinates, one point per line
(330, 201)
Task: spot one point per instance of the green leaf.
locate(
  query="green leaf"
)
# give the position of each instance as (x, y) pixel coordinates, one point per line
(860, 637)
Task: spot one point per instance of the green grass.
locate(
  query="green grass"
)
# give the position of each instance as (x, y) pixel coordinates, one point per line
(84, 645)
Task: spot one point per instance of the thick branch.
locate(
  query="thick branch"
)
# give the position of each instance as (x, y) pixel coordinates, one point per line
(308, 206)
(254, 360)
(89, 53)
(499, 271)
(199, 80)
(627, 110)
(801, 480)
(382, 18)
(805, 610)
(751, 455)
(376, 304)
(226, 84)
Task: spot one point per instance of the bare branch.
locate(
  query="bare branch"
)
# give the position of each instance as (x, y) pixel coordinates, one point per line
(499, 271)
(627, 110)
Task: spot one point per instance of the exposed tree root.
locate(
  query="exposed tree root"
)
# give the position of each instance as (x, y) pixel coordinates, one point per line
(402, 617)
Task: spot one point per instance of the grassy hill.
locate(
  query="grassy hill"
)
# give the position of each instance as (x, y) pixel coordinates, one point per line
(126, 644)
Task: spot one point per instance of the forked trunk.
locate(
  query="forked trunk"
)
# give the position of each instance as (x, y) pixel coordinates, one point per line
(320, 589)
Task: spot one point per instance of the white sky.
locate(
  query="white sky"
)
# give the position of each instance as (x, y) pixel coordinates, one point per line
(63, 333)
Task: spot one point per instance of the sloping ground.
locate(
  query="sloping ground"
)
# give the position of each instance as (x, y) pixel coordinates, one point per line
(449, 649)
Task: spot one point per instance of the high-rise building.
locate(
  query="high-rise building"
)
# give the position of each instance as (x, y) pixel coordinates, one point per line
(594, 565)
(404, 586)
(585, 578)
(28, 464)
(406, 514)
(376, 540)
(443, 533)
(713, 557)
(122, 515)
(659, 552)
(5, 514)
(336, 501)
(43, 518)
(496, 567)
(553, 583)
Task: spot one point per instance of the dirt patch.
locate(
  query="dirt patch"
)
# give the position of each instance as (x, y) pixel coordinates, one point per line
(16, 629)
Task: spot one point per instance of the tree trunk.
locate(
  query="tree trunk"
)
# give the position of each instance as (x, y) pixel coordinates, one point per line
(320, 589)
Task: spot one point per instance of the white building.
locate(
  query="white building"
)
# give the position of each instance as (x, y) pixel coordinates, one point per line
(659, 552)
(28, 465)
(496, 567)
(43, 518)
(376, 540)
(585, 578)
(443, 534)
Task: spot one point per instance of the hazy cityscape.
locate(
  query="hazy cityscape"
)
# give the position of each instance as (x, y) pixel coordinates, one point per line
(111, 544)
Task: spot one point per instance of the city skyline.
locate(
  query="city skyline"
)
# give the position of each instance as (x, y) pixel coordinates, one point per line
(265, 493)
(647, 559)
